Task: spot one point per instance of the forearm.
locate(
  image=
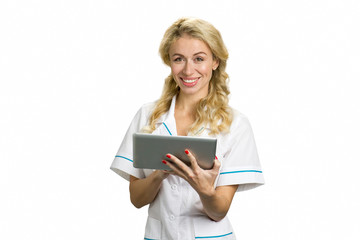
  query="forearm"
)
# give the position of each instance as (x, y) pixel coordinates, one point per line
(143, 191)
(217, 203)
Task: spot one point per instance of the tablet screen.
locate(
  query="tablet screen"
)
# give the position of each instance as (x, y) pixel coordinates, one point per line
(149, 150)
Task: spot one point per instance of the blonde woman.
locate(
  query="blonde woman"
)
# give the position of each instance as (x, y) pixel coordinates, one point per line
(189, 202)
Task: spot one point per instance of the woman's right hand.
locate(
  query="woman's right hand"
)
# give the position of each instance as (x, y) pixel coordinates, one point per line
(162, 174)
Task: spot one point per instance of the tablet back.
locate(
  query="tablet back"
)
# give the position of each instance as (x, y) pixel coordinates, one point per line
(149, 150)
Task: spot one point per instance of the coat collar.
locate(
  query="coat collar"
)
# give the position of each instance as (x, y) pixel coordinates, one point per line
(167, 124)
(169, 114)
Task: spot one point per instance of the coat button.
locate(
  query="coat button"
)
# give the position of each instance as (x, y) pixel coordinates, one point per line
(172, 217)
(173, 187)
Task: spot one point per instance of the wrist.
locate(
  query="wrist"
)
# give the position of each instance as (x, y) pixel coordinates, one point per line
(159, 175)
(208, 195)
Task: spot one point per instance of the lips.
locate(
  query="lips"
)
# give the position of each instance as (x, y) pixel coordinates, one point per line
(190, 82)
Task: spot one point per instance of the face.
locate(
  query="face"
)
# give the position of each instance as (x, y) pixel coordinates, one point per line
(192, 63)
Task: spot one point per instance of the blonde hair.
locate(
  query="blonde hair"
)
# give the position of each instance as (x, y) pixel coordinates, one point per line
(213, 109)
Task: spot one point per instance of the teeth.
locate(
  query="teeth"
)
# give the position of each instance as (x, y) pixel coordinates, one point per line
(189, 81)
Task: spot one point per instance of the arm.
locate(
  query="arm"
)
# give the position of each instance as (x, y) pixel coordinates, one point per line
(143, 191)
(216, 202)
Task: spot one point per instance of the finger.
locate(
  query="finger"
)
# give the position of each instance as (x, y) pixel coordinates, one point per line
(168, 171)
(192, 159)
(178, 163)
(217, 164)
(174, 170)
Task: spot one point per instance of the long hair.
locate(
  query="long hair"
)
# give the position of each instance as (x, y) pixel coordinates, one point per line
(213, 110)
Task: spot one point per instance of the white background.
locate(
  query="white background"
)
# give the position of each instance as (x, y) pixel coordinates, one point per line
(73, 73)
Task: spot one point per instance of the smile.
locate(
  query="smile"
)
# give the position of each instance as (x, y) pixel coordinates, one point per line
(189, 82)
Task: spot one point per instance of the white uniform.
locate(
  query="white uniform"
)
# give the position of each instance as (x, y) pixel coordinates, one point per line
(177, 212)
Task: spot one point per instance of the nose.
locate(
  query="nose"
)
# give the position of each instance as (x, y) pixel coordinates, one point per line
(188, 69)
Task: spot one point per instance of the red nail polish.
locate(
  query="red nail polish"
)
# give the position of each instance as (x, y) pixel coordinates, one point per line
(168, 156)
(163, 161)
(186, 151)
(216, 157)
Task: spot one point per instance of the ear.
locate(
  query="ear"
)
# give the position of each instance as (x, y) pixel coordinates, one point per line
(215, 64)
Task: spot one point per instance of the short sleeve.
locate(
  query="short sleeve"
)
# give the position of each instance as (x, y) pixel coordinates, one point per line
(123, 161)
(240, 164)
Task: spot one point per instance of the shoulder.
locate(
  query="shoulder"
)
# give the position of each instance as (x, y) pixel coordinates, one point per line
(142, 115)
(239, 119)
(240, 130)
(147, 108)
(237, 115)
(240, 125)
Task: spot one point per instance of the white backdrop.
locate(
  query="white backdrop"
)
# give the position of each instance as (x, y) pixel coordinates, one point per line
(74, 72)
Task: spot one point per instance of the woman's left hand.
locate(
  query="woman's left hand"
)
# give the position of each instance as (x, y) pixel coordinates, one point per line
(201, 180)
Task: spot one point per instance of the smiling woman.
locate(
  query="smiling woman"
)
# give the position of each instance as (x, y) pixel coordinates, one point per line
(189, 202)
(195, 36)
(191, 65)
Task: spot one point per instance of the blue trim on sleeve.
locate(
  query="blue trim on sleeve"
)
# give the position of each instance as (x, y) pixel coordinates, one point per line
(214, 236)
(167, 129)
(241, 171)
(149, 239)
(125, 158)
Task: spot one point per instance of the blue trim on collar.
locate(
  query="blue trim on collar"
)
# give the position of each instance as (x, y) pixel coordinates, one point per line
(241, 171)
(167, 129)
(214, 236)
(125, 158)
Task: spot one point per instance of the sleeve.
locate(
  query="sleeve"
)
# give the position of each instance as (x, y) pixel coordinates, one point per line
(241, 165)
(123, 161)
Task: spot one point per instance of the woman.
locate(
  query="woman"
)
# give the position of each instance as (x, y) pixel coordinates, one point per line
(189, 202)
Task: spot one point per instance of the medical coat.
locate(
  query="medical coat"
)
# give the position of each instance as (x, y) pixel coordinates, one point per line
(177, 212)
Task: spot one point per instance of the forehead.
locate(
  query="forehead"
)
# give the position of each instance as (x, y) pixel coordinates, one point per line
(187, 45)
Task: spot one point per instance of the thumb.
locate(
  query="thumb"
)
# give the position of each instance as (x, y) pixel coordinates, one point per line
(217, 164)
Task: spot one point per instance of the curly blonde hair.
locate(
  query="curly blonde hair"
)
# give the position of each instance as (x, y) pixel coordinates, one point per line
(213, 109)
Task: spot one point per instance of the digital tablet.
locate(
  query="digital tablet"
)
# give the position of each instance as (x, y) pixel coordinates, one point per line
(149, 150)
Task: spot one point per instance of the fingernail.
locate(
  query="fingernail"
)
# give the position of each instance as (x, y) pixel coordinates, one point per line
(163, 161)
(216, 157)
(186, 151)
(168, 156)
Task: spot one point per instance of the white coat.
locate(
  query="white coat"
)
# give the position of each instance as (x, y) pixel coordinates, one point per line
(177, 212)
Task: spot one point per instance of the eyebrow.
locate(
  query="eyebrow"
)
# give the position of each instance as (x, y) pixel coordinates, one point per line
(193, 55)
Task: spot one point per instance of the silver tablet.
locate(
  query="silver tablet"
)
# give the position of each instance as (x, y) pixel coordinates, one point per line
(149, 150)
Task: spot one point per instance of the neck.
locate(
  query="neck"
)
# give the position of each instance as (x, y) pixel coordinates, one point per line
(187, 103)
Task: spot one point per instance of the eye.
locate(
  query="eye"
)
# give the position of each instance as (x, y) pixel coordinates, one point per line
(178, 59)
(199, 59)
